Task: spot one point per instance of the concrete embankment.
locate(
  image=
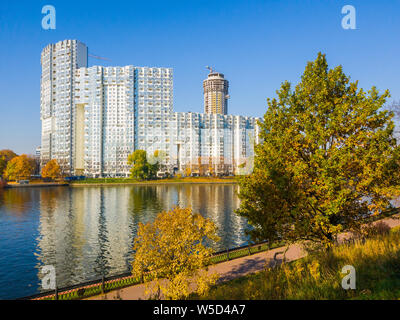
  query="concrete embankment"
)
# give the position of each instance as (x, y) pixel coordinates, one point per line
(148, 183)
(35, 185)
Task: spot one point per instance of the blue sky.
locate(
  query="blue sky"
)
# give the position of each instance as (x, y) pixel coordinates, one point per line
(256, 44)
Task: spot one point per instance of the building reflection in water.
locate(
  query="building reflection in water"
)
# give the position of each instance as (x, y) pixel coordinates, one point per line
(89, 231)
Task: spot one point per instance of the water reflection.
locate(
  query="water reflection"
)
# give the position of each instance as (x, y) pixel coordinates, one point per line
(18, 202)
(89, 231)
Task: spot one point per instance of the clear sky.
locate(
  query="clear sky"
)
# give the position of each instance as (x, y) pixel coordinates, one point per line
(256, 44)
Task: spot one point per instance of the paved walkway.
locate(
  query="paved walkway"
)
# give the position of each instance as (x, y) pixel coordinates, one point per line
(235, 268)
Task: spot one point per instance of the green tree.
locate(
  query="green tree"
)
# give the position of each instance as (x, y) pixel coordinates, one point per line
(141, 167)
(328, 159)
(19, 167)
(171, 252)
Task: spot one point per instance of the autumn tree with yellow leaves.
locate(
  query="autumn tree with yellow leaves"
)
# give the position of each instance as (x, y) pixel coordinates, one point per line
(171, 255)
(20, 167)
(51, 170)
(5, 156)
(328, 159)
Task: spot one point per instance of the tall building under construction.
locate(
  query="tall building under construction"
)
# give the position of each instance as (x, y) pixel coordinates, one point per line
(215, 93)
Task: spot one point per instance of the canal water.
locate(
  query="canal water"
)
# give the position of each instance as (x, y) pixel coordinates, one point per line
(85, 231)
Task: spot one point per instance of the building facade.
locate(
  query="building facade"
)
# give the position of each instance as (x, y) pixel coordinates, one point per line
(59, 63)
(94, 117)
(216, 94)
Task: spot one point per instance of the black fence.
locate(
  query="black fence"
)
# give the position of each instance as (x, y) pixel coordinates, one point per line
(104, 284)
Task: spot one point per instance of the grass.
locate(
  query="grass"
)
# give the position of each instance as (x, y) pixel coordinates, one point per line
(318, 276)
(167, 180)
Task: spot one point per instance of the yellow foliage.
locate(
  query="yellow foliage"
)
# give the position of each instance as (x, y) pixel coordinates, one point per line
(188, 171)
(51, 170)
(314, 270)
(171, 253)
(18, 168)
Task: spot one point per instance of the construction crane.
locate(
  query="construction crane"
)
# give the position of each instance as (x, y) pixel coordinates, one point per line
(97, 57)
(210, 68)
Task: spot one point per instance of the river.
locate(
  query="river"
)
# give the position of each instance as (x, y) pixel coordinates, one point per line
(89, 230)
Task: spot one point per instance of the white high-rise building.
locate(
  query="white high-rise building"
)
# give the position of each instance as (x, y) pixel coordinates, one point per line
(59, 63)
(94, 117)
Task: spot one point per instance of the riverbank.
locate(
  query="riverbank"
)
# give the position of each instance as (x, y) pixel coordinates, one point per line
(36, 185)
(318, 276)
(124, 181)
(128, 181)
(248, 277)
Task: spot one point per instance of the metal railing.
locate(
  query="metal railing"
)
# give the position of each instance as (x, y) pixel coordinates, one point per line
(119, 281)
